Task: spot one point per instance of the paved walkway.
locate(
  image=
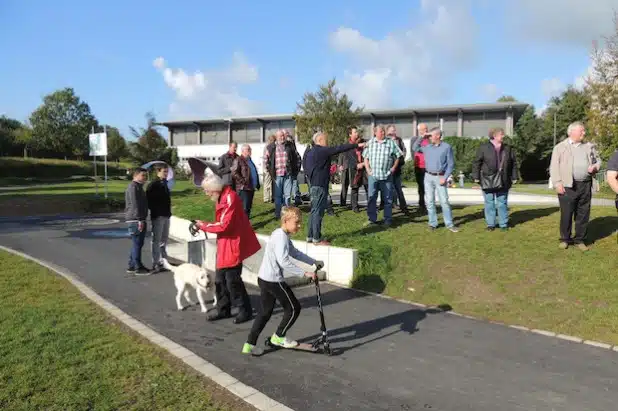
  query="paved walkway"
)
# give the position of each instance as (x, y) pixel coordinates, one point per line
(470, 196)
(392, 356)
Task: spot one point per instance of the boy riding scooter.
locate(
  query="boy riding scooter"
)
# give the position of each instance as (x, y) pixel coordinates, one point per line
(273, 286)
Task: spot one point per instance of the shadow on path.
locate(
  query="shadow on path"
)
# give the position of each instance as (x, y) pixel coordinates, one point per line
(358, 334)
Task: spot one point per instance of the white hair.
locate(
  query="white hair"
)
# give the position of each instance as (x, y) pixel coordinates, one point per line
(574, 125)
(316, 135)
(245, 146)
(212, 182)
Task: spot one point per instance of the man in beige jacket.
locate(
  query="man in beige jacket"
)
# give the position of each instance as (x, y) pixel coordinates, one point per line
(572, 168)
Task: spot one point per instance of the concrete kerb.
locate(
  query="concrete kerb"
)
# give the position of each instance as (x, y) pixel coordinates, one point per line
(246, 393)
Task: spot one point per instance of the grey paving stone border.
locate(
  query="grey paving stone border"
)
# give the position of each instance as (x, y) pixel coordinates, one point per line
(546, 333)
(208, 370)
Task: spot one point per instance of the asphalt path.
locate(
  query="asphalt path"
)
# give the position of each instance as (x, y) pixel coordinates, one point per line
(389, 355)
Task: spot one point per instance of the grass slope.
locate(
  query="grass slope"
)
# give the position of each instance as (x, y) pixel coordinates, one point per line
(58, 351)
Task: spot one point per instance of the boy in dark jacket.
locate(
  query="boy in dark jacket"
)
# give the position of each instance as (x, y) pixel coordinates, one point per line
(160, 205)
(136, 212)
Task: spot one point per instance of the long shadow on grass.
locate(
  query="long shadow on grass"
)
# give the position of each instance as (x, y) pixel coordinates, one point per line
(524, 216)
(376, 329)
(602, 227)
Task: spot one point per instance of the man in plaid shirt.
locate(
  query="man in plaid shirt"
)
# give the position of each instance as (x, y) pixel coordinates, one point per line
(381, 158)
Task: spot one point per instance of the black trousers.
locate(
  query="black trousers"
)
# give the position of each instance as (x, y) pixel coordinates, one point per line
(271, 292)
(419, 174)
(575, 204)
(247, 200)
(345, 184)
(231, 291)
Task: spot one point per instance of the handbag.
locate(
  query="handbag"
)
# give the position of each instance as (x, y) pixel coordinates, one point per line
(493, 181)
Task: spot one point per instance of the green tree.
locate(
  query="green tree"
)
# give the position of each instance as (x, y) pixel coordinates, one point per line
(326, 110)
(506, 99)
(572, 105)
(116, 144)
(602, 86)
(151, 145)
(7, 135)
(527, 141)
(62, 123)
(24, 138)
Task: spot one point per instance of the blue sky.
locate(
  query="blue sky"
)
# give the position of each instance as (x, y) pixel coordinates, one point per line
(200, 59)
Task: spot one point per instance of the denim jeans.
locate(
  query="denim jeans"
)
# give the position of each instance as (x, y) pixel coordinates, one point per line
(283, 192)
(319, 202)
(492, 200)
(385, 188)
(432, 184)
(397, 195)
(246, 197)
(295, 194)
(137, 242)
(160, 234)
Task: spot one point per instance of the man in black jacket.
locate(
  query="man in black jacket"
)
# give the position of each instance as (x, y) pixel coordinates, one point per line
(160, 205)
(353, 172)
(225, 165)
(317, 167)
(136, 212)
(397, 195)
(495, 168)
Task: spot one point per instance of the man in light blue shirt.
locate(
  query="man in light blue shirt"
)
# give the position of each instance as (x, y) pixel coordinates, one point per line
(439, 165)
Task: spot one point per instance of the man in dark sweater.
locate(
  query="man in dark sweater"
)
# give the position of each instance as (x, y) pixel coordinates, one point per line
(225, 164)
(136, 212)
(317, 168)
(160, 205)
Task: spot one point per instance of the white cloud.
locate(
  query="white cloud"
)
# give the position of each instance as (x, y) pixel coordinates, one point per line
(210, 93)
(552, 87)
(490, 92)
(567, 22)
(418, 63)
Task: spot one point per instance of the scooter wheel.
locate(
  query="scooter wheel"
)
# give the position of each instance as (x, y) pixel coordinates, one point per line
(328, 351)
(267, 343)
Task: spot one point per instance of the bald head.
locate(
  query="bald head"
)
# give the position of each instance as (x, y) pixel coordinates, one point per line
(422, 129)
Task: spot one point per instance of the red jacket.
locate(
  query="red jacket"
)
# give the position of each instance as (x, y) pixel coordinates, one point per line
(419, 158)
(236, 240)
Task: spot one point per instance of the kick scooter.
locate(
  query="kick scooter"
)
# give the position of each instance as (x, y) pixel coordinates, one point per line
(321, 344)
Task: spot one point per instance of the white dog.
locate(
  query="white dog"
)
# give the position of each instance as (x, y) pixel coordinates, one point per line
(190, 275)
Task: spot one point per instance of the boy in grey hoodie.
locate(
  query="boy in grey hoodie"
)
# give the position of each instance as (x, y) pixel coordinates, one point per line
(136, 212)
(272, 283)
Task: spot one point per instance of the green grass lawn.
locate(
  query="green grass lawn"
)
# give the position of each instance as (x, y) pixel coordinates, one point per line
(59, 351)
(517, 277)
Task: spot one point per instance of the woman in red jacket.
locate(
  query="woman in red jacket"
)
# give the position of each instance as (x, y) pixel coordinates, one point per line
(236, 242)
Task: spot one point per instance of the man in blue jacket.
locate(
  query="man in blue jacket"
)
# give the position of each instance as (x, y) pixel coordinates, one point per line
(317, 169)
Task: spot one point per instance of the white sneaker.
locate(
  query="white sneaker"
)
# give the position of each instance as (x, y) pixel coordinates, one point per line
(283, 342)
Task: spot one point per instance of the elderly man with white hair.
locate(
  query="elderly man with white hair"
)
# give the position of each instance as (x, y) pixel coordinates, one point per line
(236, 242)
(317, 168)
(572, 167)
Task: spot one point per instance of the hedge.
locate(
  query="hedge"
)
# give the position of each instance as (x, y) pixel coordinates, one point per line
(40, 168)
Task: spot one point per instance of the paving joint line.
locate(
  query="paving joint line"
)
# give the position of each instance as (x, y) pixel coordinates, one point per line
(240, 390)
(552, 334)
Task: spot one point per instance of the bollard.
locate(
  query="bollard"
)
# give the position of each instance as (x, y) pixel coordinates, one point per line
(461, 179)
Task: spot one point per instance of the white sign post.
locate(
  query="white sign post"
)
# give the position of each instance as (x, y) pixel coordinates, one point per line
(98, 147)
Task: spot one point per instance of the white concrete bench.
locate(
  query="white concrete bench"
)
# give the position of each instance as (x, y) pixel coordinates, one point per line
(339, 263)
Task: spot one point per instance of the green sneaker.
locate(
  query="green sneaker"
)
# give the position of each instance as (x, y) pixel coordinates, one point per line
(251, 349)
(282, 342)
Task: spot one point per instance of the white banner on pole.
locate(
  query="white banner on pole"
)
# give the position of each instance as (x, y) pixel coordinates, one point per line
(98, 144)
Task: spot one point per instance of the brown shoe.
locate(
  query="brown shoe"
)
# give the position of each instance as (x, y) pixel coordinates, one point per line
(323, 242)
(583, 247)
(563, 246)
